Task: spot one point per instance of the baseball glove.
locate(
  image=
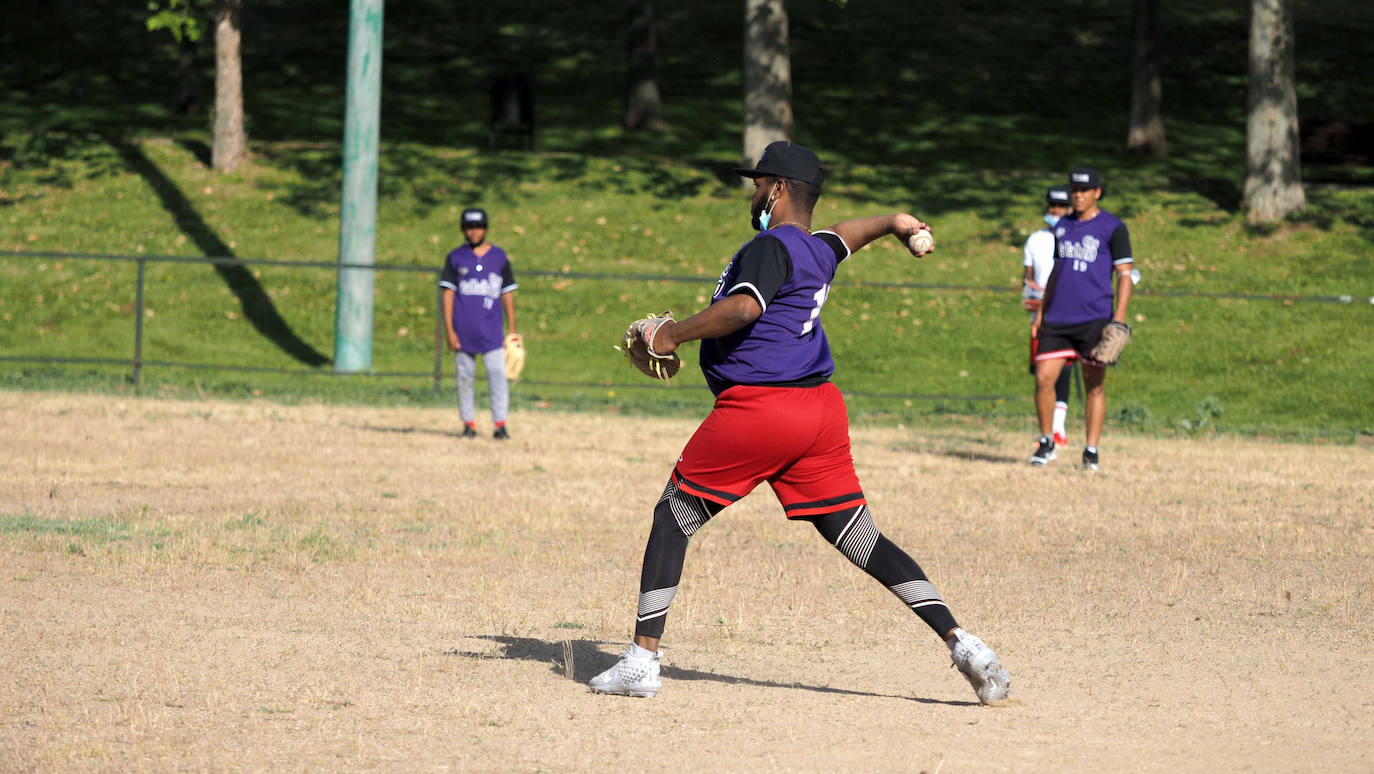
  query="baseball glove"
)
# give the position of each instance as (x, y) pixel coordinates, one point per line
(515, 355)
(1115, 337)
(637, 346)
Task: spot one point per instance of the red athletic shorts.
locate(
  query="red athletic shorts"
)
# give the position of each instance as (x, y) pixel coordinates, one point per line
(795, 438)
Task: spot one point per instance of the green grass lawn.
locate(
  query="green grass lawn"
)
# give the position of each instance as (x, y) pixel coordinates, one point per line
(959, 131)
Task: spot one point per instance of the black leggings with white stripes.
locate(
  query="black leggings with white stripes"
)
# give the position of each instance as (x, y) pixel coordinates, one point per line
(679, 515)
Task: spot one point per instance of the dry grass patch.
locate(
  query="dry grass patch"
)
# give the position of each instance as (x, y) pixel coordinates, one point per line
(241, 586)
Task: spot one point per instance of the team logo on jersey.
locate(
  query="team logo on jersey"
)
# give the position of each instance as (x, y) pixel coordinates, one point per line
(720, 283)
(488, 288)
(462, 271)
(1059, 232)
(1082, 251)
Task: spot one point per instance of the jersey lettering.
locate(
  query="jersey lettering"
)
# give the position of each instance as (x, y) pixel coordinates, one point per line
(1085, 251)
(490, 287)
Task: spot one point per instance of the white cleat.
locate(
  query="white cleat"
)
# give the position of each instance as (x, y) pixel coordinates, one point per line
(980, 665)
(630, 676)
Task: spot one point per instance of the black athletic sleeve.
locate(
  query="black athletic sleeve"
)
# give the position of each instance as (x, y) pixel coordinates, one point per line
(448, 277)
(1121, 245)
(834, 242)
(507, 279)
(764, 267)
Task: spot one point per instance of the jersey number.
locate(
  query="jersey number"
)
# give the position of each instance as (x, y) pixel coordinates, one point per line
(820, 297)
(1080, 264)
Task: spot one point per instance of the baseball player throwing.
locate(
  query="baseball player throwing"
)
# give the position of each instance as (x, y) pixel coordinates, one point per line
(778, 418)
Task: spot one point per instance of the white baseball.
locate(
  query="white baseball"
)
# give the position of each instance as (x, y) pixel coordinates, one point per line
(921, 242)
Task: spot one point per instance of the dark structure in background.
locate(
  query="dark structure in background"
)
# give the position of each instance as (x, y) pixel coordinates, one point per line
(1336, 142)
(512, 110)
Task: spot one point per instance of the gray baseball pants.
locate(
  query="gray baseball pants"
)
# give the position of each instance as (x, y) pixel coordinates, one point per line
(498, 389)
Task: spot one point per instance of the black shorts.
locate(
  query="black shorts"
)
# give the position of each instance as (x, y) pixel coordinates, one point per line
(1069, 342)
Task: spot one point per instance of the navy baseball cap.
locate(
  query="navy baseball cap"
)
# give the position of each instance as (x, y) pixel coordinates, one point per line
(789, 160)
(474, 216)
(1058, 195)
(1086, 177)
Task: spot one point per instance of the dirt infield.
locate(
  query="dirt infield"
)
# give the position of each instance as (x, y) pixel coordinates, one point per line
(223, 586)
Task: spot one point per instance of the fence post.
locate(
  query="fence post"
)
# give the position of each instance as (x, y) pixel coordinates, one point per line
(440, 338)
(138, 327)
(353, 327)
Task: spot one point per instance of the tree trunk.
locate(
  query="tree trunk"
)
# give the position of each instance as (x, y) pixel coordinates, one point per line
(767, 77)
(231, 141)
(642, 103)
(1273, 177)
(1146, 131)
(188, 96)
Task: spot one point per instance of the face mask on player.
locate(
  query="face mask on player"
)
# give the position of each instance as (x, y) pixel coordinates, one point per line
(758, 218)
(1051, 219)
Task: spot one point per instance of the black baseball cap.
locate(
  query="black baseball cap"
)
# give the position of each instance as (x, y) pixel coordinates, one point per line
(1086, 177)
(1057, 195)
(474, 216)
(789, 160)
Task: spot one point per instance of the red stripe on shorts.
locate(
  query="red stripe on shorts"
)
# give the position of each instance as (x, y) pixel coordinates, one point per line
(828, 505)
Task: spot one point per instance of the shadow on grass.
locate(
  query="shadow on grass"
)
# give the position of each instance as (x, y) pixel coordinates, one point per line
(257, 306)
(410, 430)
(974, 456)
(590, 659)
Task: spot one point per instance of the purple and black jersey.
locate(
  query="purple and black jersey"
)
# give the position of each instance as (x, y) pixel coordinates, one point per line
(1086, 254)
(788, 272)
(478, 282)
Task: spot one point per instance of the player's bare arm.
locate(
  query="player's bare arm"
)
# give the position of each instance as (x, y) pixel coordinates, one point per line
(1031, 304)
(858, 232)
(719, 319)
(1123, 291)
(508, 305)
(1045, 300)
(453, 342)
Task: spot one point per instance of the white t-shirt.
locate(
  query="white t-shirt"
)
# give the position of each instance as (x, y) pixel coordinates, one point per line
(1039, 255)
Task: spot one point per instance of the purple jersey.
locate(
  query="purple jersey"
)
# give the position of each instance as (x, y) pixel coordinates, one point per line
(788, 272)
(1085, 255)
(478, 284)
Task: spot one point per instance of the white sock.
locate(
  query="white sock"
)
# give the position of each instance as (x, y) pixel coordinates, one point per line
(1090, 449)
(640, 653)
(1061, 409)
(958, 632)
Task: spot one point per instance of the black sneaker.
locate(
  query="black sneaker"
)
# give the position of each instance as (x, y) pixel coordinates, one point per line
(469, 431)
(1090, 459)
(501, 434)
(1044, 453)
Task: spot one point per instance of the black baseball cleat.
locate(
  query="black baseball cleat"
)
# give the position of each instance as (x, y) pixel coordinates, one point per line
(469, 431)
(1044, 453)
(1090, 459)
(501, 434)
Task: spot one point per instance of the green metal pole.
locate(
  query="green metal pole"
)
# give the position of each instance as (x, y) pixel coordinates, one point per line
(138, 328)
(358, 216)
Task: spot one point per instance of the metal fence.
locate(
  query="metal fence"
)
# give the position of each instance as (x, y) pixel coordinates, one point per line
(138, 363)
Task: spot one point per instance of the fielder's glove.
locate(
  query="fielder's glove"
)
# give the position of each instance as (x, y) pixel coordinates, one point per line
(638, 347)
(1115, 337)
(515, 355)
